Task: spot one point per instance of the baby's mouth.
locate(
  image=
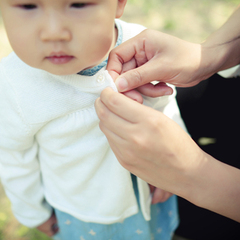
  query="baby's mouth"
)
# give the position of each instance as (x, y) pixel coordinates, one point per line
(59, 58)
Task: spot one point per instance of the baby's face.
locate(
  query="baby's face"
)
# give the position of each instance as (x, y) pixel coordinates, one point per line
(61, 36)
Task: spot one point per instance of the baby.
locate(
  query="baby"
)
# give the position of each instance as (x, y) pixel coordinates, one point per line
(54, 158)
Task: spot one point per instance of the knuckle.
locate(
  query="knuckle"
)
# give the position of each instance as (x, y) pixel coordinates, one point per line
(102, 114)
(137, 77)
(125, 163)
(101, 126)
(113, 101)
(139, 142)
(127, 158)
(154, 121)
(129, 162)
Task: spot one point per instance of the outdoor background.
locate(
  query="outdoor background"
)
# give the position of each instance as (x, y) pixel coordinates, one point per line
(192, 20)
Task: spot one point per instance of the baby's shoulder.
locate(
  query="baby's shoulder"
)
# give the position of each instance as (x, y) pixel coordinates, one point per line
(19, 88)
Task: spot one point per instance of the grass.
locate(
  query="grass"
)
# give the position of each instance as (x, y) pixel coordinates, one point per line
(192, 20)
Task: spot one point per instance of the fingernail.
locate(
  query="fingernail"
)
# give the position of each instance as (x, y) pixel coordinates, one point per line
(121, 84)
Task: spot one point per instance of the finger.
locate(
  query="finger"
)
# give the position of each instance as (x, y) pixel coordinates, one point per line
(110, 122)
(110, 135)
(122, 106)
(134, 78)
(129, 65)
(117, 143)
(118, 56)
(157, 90)
(134, 95)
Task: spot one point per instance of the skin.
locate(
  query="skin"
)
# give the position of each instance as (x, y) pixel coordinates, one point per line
(155, 148)
(50, 226)
(48, 35)
(56, 27)
(51, 35)
(153, 55)
(151, 145)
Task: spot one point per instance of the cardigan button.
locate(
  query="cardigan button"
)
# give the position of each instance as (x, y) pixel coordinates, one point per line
(100, 79)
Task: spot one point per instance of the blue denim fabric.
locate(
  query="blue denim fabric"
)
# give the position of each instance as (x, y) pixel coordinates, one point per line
(164, 220)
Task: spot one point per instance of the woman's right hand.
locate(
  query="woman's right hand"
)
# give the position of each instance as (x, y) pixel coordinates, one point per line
(153, 55)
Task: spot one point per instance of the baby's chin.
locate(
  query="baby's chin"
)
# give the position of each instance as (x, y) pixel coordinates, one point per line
(61, 70)
(69, 68)
(60, 73)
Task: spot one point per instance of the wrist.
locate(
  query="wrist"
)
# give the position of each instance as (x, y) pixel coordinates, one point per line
(219, 56)
(213, 185)
(199, 178)
(191, 178)
(213, 59)
(222, 48)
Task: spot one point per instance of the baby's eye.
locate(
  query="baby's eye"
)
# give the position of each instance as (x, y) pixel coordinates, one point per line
(78, 5)
(28, 6)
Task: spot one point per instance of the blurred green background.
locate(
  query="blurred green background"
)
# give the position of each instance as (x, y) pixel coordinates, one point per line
(192, 20)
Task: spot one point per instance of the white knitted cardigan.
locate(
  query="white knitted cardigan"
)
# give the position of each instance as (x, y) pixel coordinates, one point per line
(52, 152)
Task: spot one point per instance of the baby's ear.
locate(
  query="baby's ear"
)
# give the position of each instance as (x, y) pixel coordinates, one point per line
(120, 8)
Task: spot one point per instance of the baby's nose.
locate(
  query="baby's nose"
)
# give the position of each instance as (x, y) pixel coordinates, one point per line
(55, 29)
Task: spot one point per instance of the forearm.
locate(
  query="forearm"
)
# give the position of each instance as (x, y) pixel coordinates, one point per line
(159, 151)
(210, 183)
(221, 50)
(215, 186)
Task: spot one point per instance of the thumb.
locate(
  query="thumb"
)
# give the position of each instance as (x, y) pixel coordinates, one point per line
(137, 77)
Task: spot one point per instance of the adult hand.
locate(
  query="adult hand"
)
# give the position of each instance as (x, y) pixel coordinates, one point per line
(145, 141)
(155, 56)
(49, 227)
(158, 150)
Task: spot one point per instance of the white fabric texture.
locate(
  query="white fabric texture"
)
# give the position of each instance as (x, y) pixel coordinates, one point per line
(230, 72)
(51, 146)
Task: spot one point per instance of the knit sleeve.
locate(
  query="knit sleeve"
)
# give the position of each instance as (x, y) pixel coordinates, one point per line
(19, 166)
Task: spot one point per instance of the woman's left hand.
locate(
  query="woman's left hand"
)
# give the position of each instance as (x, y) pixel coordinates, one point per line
(146, 142)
